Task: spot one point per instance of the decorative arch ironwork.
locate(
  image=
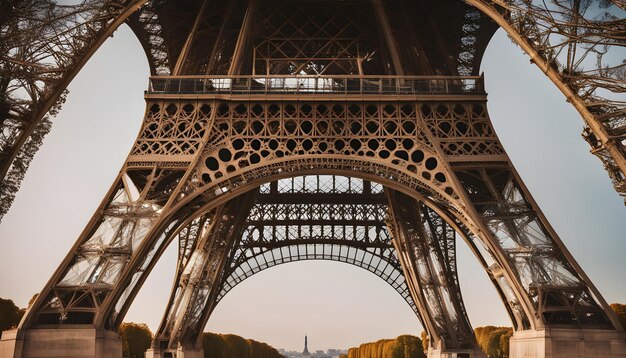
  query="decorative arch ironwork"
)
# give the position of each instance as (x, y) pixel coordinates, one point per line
(278, 232)
(325, 217)
(576, 44)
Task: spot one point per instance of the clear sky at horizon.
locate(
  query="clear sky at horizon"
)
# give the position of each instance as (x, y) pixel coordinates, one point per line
(337, 305)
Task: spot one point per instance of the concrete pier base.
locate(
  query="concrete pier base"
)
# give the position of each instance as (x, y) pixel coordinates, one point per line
(156, 353)
(568, 343)
(178, 353)
(190, 353)
(60, 342)
(463, 353)
(160, 353)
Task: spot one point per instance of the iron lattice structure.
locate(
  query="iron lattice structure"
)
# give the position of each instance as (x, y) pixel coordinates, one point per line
(577, 44)
(354, 131)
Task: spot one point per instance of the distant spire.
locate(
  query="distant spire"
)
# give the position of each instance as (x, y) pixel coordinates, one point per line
(306, 348)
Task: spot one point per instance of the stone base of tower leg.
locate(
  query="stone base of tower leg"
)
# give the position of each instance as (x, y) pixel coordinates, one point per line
(10, 346)
(158, 353)
(178, 353)
(60, 342)
(568, 343)
(456, 353)
(189, 352)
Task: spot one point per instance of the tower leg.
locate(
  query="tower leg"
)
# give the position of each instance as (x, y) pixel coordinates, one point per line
(426, 248)
(208, 242)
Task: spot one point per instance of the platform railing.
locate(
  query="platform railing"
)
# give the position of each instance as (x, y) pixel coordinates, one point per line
(348, 85)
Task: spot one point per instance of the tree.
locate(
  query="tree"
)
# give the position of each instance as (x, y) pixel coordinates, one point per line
(10, 315)
(405, 346)
(229, 346)
(494, 341)
(494, 346)
(425, 344)
(620, 309)
(504, 342)
(136, 339)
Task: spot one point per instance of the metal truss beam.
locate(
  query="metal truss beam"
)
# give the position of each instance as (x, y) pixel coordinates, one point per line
(301, 235)
(579, 46)
(146, 25)
(576, 45)
(44, 46)
(78, 289)
(204, 247)
(535, 255)
(275, 233)
(427, 250)
(453, 161)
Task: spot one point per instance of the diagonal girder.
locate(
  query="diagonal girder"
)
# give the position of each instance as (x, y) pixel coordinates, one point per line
(535, 254)
(580, 46)
(426, 247)
(132, 207)
(44, 45)
(200, 270)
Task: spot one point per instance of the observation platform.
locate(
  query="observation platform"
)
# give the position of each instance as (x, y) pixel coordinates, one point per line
(318, 87)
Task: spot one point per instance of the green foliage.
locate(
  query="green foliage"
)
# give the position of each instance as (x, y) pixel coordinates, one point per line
(26, 23)
(136, 339)
(424, 337)
(232, 346)
(405, 346)
(504, 342)
(494, 341)
(12, 181)
(10, 315)
(620, 309)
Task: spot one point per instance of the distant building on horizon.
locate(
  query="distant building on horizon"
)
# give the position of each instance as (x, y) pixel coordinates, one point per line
(305, 353)
(331, 353)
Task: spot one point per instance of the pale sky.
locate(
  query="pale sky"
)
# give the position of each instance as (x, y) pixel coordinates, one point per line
(337, 305)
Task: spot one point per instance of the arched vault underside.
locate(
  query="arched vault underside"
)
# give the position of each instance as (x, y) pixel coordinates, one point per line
(299, 219)
(303, 218)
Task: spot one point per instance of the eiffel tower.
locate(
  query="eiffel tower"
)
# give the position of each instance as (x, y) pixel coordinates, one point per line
(305, 352)
(355, 131)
